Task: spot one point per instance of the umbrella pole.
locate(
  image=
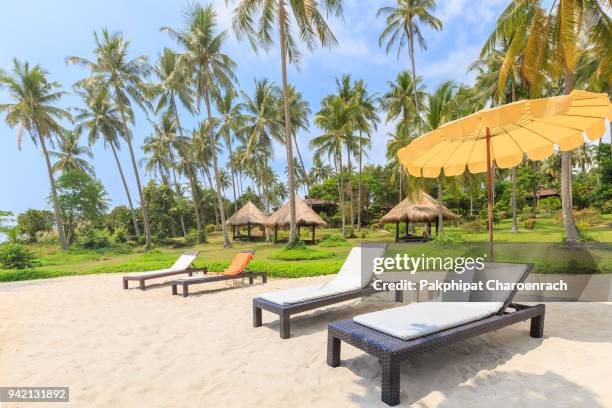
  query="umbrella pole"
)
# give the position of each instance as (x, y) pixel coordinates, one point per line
(490, 194)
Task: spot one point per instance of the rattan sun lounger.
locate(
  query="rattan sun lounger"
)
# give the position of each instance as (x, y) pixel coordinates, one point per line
(183, 265)
(240, 273)
(316, 296)
(391, 350)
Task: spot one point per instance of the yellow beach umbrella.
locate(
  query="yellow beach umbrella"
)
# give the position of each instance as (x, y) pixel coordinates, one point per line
(505, 134)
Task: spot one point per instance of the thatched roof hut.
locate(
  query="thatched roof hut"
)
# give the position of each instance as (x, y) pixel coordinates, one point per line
(247, 216)
(423, 208)
(304, 216)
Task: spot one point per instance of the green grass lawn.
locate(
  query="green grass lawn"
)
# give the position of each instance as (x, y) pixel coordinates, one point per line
(541, 248)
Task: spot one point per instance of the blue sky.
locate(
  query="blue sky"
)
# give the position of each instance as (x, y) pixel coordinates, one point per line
(45, 32)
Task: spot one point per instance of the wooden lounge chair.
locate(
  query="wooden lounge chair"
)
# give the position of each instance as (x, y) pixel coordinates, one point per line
(182, 265)
(353, 281)
(393, 336)
(236, 270)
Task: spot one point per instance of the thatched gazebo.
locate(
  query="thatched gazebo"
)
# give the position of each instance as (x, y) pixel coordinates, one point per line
(304, 217)
(422, 209)
(248, 216)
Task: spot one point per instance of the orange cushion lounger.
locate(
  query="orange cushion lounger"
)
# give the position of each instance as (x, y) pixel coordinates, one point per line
(236, 270)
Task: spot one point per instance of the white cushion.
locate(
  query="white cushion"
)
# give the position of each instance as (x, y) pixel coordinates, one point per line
(184, 262)
(420, 319)
(356, 273)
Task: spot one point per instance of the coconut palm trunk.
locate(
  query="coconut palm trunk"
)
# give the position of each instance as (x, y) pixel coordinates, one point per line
(232, 172)
(226, 242)
(195, 197)
(571, 232)
(282, 19)
(172, 161)
(212, 187)
(359, 187)
(297, 149)
(350, 187)
(414, 77)
(127, 190)
(341, 191)
(143, 203)
(56, 210)
(514, 209)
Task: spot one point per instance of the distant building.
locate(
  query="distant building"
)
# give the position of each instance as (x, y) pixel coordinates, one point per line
(321, 206)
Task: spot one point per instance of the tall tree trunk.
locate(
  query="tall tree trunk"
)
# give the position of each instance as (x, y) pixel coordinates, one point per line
(215, 205)
(297, 149)
(232, 171)
(288, 143)
(414, 77)
(359, 188)
(56, 209)
(350, 187)
(341, 192)
(514, 221)
(127, 191)
(196, 199)
(173, 162)
(226, 242)
(401, 175)
(143, 202)
(440, 215)
(571, 232)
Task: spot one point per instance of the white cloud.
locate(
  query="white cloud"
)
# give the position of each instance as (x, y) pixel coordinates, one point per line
(454, 65)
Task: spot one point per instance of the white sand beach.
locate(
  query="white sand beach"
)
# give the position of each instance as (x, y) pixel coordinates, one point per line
(128, 348)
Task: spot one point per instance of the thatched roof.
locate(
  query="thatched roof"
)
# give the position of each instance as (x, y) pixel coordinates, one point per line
(420, 209)
(249, 213)
(304, 215)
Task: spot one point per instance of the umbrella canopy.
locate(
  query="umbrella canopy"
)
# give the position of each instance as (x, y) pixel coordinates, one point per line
(248, 214)
(422, 209)
(304, 215)
(504, 135)
(528, 127)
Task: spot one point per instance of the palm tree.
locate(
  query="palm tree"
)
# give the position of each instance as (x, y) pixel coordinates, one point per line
(69, 154)
(367, 121)
(213, 73)
(125, 77)
(101, 121)
(400, 102)
(33, 111)
(403, 28)
(299, 111)
(308, 17)
(320, 171)
(439, 111)
(336, 119)
(174, 84)
(231, 120)
(262, 122)
(396, 141)
(547, 42)
(156, 157)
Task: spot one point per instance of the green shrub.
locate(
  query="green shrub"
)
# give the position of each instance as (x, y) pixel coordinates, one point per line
(474, 226)
(47, 237)
(301, 254)
(120, 236)
(194, 237)
(530, 223)
(550, 205)
(333, 241)
(210, 228)
(448, 240)
(17, 256)
(95, 239)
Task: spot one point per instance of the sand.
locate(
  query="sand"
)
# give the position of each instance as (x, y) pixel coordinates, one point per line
(127, 348)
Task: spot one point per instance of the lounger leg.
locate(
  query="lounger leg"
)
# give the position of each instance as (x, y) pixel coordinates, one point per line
(250, 279)
(264, 277)
(125, 283)
(185, 290)
(285, 331)
(390, 381)
(537, 327)
(256, 316)
(333, 351)
(174, 290)
(142, 284)
(399, 296)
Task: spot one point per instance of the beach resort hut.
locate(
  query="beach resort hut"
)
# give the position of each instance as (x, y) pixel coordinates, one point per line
(424, 208)
(248, 216)
(304, 217)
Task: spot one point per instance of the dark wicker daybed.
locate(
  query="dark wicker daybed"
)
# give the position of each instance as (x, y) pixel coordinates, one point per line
(391, 350)
(197, 280)
(184, 265)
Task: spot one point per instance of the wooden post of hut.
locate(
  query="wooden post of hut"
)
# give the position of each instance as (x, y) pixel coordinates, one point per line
(248, 231)
(397, 231)
(233, 232)
(407, 224)
(275, 233)
(437, 225)
(313, 233)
